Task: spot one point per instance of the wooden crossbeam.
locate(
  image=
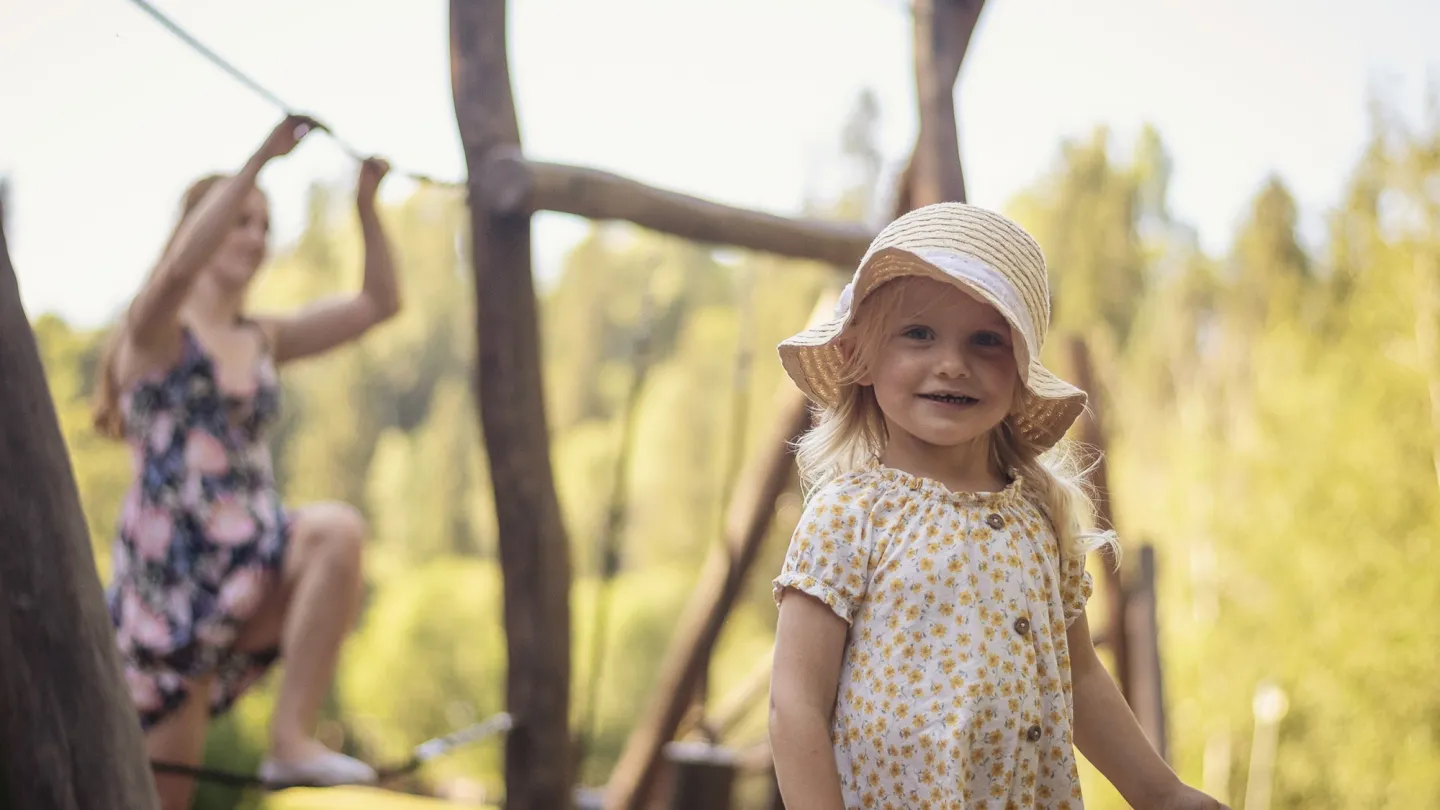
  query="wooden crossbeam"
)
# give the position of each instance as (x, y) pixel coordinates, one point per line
(510, 185)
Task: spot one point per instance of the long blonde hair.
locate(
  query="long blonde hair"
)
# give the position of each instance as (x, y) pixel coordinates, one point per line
(849, 434)
(105, 413)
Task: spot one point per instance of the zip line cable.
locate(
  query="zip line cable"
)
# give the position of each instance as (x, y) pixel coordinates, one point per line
(260, 90)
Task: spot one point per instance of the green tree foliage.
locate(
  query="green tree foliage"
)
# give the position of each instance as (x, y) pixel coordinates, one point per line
(1271, 417)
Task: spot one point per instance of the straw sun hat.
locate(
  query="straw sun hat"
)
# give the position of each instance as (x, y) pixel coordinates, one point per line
(986, 256)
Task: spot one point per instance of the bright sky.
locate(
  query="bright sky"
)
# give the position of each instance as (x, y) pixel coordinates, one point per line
(107, 116)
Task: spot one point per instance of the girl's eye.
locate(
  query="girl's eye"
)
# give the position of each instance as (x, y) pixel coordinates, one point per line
(917, 332)
(989, 339)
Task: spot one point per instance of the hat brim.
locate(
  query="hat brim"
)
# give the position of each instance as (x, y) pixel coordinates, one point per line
(815, 362)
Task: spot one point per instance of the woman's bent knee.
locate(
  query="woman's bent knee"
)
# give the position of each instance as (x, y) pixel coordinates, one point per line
(331, 528)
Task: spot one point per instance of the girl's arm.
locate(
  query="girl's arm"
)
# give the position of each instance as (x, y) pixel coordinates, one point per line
(152, 321)
(809, 647)
(330, 323)
(1107, 733)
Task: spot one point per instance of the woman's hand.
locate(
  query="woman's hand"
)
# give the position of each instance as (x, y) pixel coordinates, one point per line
(287, 135)
(372, 171)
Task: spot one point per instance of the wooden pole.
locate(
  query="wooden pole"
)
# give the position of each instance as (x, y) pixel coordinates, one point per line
(1092, 435)
(69, 737)
(1143, 623)
(719, 586)
(534, 552)
(704, 776)
(942, 33)
(511, 185)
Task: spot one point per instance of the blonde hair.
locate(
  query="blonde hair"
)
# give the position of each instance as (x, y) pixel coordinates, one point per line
(852, 432)
(105, 414)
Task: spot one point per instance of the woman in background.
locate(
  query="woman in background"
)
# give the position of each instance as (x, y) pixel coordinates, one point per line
(214, 578)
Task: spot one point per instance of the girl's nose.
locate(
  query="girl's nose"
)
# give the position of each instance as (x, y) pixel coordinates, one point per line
(953, 363)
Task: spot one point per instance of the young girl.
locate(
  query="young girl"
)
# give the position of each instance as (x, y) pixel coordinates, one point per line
(932, 647)
(214, 579)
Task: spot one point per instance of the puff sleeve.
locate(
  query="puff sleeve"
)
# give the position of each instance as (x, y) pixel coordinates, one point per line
(829, 556)
(1076, 586)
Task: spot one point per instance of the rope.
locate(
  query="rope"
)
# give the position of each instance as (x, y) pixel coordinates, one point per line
(419, 755)
(260, 90)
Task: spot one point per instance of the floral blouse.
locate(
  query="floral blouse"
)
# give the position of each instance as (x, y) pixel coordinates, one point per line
(955, 688)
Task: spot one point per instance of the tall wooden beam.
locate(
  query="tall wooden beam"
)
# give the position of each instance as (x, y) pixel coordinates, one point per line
(720, 584)
(512, 185)
(534, 552)
(1142, 623)
(943, 30)
(1092, 435)
(69, 736)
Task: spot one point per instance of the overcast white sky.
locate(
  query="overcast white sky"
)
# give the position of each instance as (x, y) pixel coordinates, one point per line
(106, 116)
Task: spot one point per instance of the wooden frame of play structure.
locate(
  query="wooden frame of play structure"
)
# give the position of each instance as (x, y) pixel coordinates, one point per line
(68, 733)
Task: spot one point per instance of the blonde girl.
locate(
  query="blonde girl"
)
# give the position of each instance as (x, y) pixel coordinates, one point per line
(932, 647)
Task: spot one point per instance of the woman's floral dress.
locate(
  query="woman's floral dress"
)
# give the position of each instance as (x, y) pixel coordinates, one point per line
(201, 536)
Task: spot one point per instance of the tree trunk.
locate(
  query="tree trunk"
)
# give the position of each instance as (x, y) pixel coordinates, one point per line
(69, 736)
(534, 552)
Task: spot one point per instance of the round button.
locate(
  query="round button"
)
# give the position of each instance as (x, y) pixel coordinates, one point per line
(995, 521)
(1022, 625)
(1033, 734)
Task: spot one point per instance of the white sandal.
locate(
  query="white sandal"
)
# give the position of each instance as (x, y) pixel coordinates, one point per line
(327, 770)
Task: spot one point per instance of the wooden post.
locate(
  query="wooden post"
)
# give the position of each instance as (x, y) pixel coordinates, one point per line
(534, 552)
(715, 593)
(69, 736)
(1092, 434)
(1142, 622)
(943, 29)
(704, 776)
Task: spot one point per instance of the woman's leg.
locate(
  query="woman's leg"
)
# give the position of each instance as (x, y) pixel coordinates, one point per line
(180, 739)
(308, 617)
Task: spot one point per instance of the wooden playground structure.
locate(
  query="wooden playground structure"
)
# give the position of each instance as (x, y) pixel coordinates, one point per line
(69, 736)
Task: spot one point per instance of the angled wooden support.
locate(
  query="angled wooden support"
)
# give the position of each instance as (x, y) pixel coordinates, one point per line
(719, 586)
(69, 736)
(534, 552)
(512, 185)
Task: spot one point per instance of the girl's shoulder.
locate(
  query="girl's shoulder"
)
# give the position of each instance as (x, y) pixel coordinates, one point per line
(861, 491)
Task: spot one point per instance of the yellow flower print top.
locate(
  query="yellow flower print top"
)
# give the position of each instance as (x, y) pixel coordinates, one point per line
(955, 686)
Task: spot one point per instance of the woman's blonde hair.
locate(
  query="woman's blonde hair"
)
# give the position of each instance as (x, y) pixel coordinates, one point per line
(850, 434)
(105, 414)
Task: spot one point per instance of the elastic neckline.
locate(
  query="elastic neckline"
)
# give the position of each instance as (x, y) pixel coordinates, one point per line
(1012, 494)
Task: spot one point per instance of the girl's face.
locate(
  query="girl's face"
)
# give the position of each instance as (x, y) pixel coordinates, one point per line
(243, 249)
(942, 365)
